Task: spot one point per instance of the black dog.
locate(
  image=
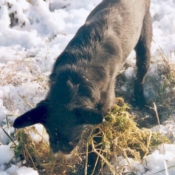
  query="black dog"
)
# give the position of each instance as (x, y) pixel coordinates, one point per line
(83, 77)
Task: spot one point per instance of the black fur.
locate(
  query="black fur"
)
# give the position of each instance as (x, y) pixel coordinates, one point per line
(83, 77)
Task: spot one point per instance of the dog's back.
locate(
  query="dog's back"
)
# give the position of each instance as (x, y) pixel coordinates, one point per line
(101, 46)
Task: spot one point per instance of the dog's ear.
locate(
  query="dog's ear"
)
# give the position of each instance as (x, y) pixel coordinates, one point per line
(35, 115)
(88, 116)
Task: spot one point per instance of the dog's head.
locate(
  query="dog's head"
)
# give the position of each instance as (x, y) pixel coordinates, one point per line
(63, 126)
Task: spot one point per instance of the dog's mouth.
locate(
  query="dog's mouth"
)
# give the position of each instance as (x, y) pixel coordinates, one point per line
(64, 147)
(60, 156)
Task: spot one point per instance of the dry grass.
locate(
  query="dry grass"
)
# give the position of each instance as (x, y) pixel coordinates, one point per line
(119, 136)
(167, 93)
(19, 72)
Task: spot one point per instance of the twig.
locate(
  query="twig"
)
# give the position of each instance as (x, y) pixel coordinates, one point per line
(166, 168)
(157, 116)
(103, 158)
(87, 152)
(126, 157)
(86, 161)
(8, 136)
(95, 165)
(29, 156)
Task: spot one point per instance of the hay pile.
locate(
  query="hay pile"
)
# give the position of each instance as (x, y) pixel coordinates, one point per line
(119, 135)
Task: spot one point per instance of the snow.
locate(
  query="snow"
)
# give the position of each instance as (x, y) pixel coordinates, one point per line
(15, 170)
(26, 171)
(29, 47)
(41, 134)
(154, 163)
(6, 154)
